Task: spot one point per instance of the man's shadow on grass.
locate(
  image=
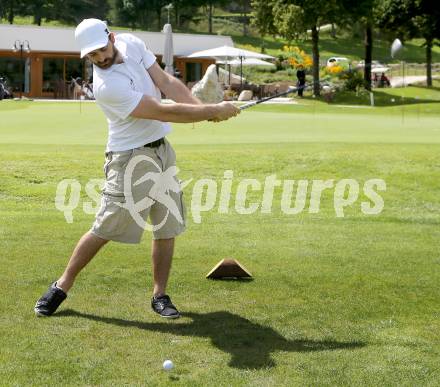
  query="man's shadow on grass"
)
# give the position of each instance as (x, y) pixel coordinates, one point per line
(248, 343)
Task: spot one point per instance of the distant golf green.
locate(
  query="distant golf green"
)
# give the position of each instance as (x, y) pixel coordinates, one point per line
(348, 300)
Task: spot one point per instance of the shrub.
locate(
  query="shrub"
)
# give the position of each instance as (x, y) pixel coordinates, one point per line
(334, 70)
(295, 57)
(353, 80)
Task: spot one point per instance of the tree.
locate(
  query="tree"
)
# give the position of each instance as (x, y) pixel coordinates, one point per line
(68, 11)
(184, 11)
(140, 13)
(10, 8)
(125, 13)
(363, 11)
(74, 11)
(209, 6)
(245, 7)
(157, 6)
(38, 9)
(413, 19)
(262, 17)
(293, 18)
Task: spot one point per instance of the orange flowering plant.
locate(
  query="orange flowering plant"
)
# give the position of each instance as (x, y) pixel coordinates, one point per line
(295, 57)
(334, 70)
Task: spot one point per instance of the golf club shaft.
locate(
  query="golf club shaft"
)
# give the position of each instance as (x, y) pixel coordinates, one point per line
(248, 105)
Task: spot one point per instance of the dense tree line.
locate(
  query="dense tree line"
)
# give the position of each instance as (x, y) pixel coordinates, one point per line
(145, 14)
(136, 14)
(150, 14)
(66, 11)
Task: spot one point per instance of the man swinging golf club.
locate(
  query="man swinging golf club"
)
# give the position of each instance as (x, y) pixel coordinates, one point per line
(127, 84)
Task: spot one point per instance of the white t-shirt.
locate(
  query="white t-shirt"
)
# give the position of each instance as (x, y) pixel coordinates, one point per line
(119, 89)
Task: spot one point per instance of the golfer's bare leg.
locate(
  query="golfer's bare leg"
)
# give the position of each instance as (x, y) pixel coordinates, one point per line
(161, 254)
(85, 250)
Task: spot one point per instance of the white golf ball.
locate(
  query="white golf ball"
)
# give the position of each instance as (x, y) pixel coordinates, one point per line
(393, 100)
(168, 365)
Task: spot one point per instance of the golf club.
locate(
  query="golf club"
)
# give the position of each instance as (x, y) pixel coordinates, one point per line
(250, 104)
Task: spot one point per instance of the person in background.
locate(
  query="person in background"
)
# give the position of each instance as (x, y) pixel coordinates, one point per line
(375, 80)
(384, 81)
(301, 76)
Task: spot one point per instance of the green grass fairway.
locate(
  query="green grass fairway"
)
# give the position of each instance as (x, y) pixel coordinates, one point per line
(335, 301)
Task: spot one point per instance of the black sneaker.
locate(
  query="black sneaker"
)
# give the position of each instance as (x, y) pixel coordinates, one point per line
(163, 306)
(50, 301)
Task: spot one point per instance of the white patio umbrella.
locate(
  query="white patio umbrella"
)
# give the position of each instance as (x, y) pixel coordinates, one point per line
(247, 62)
(379, 69)
(168, 53)
(229, 53)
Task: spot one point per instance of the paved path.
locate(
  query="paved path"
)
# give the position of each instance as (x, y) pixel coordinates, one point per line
(410, 80)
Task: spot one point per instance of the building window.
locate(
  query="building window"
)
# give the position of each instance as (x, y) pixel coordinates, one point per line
(58, 74)
(74, 69)
(53, 74)
(193, 72)
(16, 72)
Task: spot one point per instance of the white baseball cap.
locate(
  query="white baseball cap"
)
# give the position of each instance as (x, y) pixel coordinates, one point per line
(90, 35)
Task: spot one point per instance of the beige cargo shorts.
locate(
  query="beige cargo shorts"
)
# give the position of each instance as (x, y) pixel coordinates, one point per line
(141, 185)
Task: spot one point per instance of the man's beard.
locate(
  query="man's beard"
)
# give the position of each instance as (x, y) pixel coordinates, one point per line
(108, 62)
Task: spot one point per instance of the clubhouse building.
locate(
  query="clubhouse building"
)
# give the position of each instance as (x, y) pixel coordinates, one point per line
(45, 60)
